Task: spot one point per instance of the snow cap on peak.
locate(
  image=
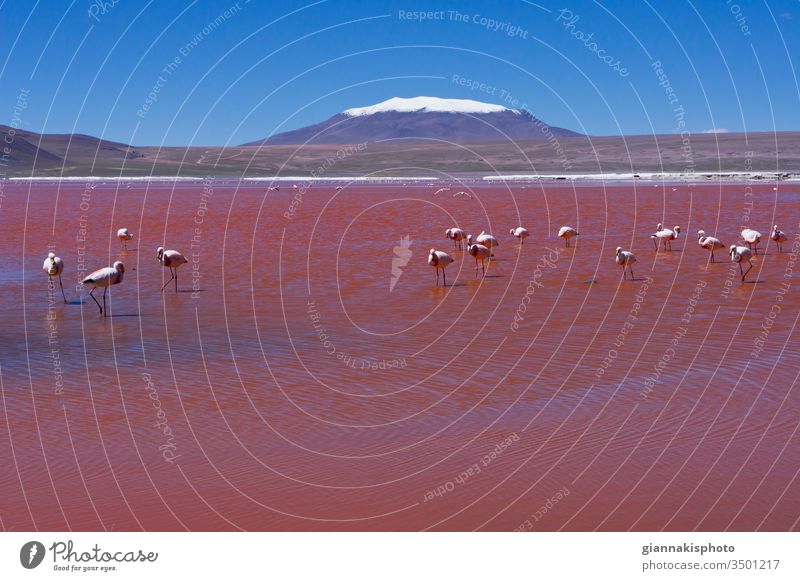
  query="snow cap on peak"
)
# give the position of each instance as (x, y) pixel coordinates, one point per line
(428, 105)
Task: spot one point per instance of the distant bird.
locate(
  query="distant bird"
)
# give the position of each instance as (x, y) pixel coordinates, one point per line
(338, 188)
(171, 259)
(482, 253)
(625, 258)
(487, 240)
(739, 254)
(436, 193)
(438, 259)
(665, 236)
(456, 235)
(54, 266)
(104, 278)
(294, 186)
(709, 243)
(123, 234)
(752, 238)
(520, 233)
(467, 194)
(778, 237)
(275, 189)
(566, 233)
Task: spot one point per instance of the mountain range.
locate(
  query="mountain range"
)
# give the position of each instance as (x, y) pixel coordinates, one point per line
(417, 136)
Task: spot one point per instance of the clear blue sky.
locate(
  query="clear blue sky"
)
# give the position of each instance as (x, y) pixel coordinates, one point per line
(269, 66)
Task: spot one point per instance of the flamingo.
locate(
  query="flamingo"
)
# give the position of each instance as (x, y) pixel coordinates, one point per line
(566, 233)
(752, 238)
(778, 237)
(740, 253)
(709, 243)
(625, 258)
(520, 233)
(104, 278)
(54, 266)
(171, 259)
(436, 193)
(438, 259)
(487, 240)
(123, 234)
(665, 236)
(482, 253)
(456, 235)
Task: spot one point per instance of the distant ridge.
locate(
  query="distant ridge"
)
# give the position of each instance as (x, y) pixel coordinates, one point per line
(430, 118)
(69, 150)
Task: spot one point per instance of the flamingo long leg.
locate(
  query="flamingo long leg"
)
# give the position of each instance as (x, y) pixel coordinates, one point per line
(62, 288)
(105, 310)
(176, 280)
(91, 294)
(170, 280)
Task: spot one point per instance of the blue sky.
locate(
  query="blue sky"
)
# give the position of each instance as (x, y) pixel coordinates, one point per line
(269, 66)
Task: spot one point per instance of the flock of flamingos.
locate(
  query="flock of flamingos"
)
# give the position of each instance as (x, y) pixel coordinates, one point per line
(479, 248)
(111, 275)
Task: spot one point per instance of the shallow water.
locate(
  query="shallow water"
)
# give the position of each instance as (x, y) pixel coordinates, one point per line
(298, 392)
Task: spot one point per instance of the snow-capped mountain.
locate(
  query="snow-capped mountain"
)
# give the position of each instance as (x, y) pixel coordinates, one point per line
(432, 118)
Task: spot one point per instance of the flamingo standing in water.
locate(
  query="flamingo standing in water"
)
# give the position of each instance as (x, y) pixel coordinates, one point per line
(740, 254)
(709, 243)
(520, 233)
(171, 259)
(104, 278)
(778, 237)
(487, 240)
(456, 235)
(752, 238)
(482, 253)
(625, 258)
(665, 236)
(566, 233)
(123, 234)
(438, 259)
(54, 266)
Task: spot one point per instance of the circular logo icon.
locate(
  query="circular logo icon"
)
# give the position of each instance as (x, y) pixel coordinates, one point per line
(31, 554)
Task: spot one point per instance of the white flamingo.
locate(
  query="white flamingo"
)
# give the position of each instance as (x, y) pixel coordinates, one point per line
(54, 266)
(171, 259)
(482, 253)
(625, 258)
(487, 240)
(104, 278)
(456, 235)
(709, 243)
(665, 236)
(567, 232)
(436, 193)
(740, 254)
(778, 237)
(438, 259)
(752, 238)
(520, 233)
(123, 234)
